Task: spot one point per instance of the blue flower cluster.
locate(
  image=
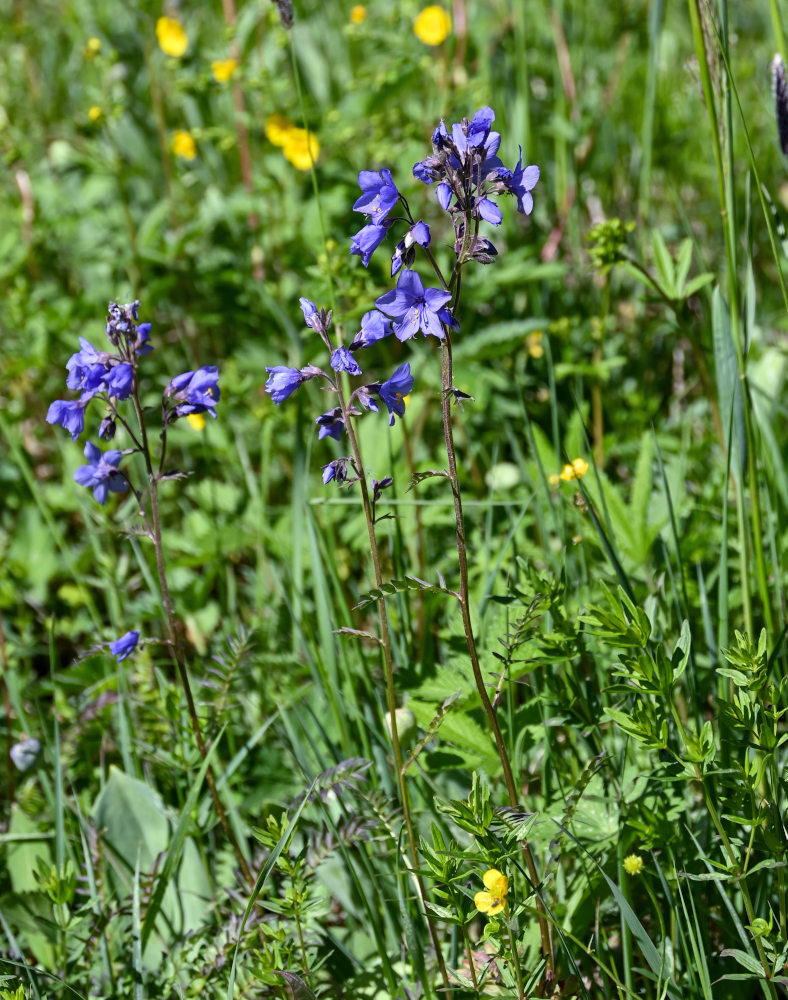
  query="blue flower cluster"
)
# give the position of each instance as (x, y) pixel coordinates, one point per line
(469, 174)
(111, 376)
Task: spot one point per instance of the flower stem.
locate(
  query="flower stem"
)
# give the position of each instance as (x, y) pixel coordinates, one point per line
(390, 690)
(462, 559)
(175, 641)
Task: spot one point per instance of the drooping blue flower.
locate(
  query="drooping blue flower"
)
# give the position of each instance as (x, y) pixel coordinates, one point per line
(366, 241)
(120, 381)
(379, 194)
(520, 183)
(318, 319)
(414, 308)
(282, 382)
(141, 345)
(374, 327)
(335, 470)
(195, 391)
(394, 390)
(70, 414)
(405, 250)
(488, 211)
(125, 645)
(102, 472)
(330, 424)
(444, 195)
(87, 369)
(343, 361)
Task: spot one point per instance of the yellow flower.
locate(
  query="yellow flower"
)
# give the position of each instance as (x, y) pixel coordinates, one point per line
(554, 480)
(94, 113)
(277, 129)
(633, 864)
(183, 145)
(494, 900)
(196, 421)
(432, 25)
(92, 48)
(579, 467)
(358, 13)
(534, 344)
(301, 148)
(172, 38)
(567, 474)
(223, 69)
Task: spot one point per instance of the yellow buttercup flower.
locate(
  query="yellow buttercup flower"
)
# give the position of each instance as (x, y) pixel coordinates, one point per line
(633, 864)
(432, 25)
(534, 344)
(172, 37)
(196, 421)
(223, 69)
(277, 129)
(579, 467)
(494, 899)
(301, 148)
(358, 13)
(183, 145)
(566, 474)
(94, 113)
(92, 48)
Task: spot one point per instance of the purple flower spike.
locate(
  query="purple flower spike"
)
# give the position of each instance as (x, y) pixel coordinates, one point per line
(366, 241)
(125, 645)
(70, 415)
(394, 391)
(102, 473)
(343, 361)
(374, 327)
(195, 392)
(379, 194)
(414, 308)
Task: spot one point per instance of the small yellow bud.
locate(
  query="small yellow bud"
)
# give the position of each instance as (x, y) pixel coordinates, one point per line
(223, 69)
(183, 145)
(94, 113)
(633, 864)
(173, 40)
(358, 13)
(433, 25)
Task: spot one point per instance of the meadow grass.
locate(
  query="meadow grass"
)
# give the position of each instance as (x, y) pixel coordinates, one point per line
(511, 725)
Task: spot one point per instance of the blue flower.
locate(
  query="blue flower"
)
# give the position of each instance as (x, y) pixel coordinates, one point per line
(141, 345)
(282, 382)
(195, 391)
(318, 319)
(414, 308)
(366, 241)
(444, 195)
(488, 210)
(335, 470)
(343, 361)
(405, 250)
(374, 327)
(70, 414)
(102, 473)
(331, 424)
(87, 369)
(379, 194)
(125, 645)
(120, 381)
(520, 182)
(394, 391)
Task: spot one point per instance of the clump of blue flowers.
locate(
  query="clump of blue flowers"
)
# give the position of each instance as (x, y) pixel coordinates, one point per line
(469, 176)
(109, 378)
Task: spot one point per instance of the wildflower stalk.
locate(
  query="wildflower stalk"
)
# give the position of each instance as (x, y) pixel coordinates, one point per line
(391, 698)
(175, 643)
(447, 383)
